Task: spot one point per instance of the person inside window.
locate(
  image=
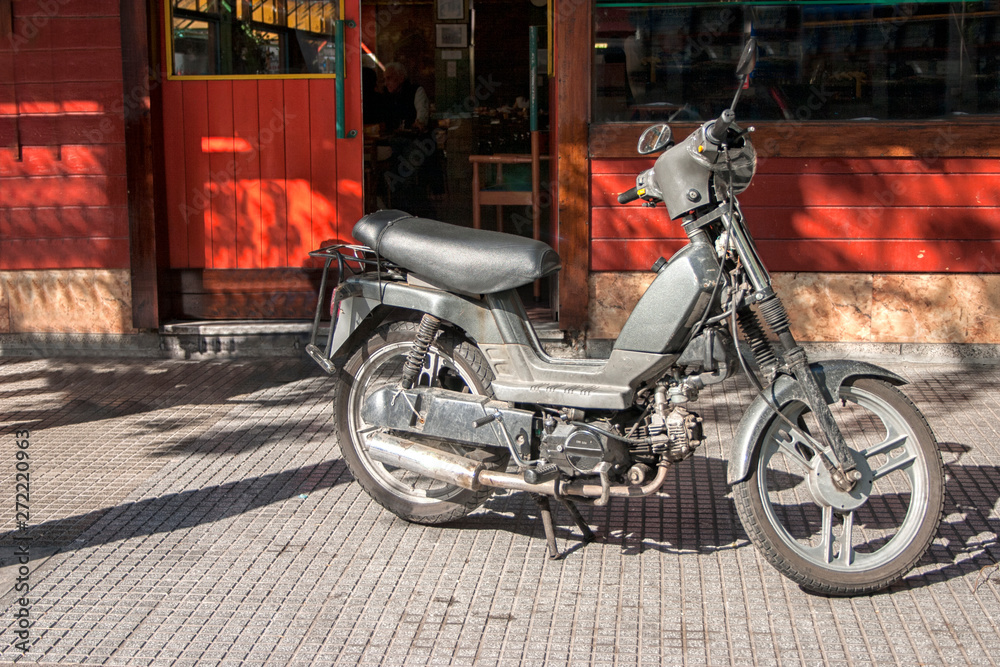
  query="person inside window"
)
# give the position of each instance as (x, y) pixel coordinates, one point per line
(411, 165)
(407, 106)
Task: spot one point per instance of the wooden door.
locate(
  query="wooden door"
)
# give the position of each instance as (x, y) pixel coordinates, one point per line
(256, 176)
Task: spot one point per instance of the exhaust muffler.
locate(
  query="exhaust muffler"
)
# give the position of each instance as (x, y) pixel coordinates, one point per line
(427, 461)
(463, 472)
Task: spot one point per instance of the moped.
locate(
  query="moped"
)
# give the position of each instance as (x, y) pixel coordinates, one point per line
(444, 392)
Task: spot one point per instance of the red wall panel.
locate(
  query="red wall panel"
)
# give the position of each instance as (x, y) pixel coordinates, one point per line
(835, 215)
(196, 201)
(222, 171)
(323, 162)
(63, 199)
(65, 32)
(41, 253)
(246, 126)
(265, 180)
(273, 200)
(298, 171)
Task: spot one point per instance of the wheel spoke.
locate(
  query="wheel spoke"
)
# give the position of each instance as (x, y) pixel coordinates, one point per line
(846, 555)
(789, 450)
(895, 464)
(887, 446)
(827, 544)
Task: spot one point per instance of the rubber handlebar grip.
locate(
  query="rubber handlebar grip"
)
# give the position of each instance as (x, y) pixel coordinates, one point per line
(628, 195)
(721, 126)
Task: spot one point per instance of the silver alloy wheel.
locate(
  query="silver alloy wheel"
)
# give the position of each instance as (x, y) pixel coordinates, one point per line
(878, 520)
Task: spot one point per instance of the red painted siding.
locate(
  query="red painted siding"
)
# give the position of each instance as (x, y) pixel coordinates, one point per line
(255, 175)
(829, 215)
(63, 200)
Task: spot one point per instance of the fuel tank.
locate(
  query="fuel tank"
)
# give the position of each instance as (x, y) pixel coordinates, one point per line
(674, 302)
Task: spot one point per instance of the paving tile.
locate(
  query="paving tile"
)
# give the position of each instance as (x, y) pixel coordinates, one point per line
(200, 513)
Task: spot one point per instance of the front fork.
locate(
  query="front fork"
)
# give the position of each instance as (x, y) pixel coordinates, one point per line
(789, 353)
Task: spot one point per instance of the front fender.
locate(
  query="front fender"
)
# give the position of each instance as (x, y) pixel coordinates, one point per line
(831, 374)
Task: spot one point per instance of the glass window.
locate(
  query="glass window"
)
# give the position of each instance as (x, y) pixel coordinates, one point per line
(817, 60)
(262, 37)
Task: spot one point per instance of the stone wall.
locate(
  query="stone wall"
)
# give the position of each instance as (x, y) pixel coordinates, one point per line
(86, 301)
(846, 307)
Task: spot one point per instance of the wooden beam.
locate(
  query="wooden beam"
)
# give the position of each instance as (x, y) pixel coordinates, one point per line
(574, 24)
(139, 162)
(927, 140)
(237, 294)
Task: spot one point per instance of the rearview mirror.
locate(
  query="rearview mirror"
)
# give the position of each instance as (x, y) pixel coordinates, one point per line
(748, 59)
(654, 138)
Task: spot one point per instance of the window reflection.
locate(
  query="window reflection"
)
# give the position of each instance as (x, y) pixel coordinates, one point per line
(240, 37)
(817, 61)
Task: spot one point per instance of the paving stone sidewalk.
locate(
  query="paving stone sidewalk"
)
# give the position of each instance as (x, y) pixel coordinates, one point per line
(187, 513)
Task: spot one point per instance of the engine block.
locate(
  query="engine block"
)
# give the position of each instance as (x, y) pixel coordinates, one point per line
(578, 450)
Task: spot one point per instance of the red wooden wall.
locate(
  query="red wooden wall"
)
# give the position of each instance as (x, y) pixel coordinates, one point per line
(63, 199)
(255, 177)
(826, 215)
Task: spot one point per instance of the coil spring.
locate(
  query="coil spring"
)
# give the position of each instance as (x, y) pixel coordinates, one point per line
(754, 334)
(429, 326)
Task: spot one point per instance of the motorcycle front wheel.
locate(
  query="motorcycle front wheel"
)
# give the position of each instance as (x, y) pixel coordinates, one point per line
(451, 363)
(846, 543)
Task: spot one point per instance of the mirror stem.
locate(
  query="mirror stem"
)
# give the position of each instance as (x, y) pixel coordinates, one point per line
(739, 91)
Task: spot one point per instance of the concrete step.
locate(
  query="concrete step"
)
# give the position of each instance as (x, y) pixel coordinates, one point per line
(232, 338)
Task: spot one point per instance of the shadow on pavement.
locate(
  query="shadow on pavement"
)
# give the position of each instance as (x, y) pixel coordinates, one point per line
(73, 391)
(700, 523)
(176, 511)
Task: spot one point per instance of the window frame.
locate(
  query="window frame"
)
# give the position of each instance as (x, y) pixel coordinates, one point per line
(283, 33)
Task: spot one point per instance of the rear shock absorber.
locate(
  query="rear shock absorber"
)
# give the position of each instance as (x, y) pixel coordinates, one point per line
(429, 326)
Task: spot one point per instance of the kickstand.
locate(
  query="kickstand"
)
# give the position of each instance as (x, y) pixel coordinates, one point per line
(550, 534)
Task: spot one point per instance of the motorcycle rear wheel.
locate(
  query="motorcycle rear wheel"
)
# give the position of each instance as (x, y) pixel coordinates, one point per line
(838, 543)
(451, 362)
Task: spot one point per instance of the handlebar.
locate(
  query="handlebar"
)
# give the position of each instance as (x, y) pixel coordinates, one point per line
(629, 195)
(719, 128)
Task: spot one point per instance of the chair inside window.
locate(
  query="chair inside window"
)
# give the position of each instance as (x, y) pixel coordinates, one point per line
(506, 191)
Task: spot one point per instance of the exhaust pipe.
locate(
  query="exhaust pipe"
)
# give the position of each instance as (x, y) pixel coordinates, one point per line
(474, 475)
(427, 461)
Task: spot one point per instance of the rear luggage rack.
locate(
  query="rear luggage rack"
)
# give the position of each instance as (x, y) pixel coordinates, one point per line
(345, 255)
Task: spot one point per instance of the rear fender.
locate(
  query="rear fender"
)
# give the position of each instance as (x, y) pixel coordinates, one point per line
(830, 374)
(365, 302)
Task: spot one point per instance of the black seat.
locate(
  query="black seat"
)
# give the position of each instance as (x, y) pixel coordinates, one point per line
(474, 261)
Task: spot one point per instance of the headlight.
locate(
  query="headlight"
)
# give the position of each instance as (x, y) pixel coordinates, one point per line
(743, 165)
(738, 170)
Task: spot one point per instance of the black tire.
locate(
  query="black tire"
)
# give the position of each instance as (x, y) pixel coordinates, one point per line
(452, 362)
(888, 521)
